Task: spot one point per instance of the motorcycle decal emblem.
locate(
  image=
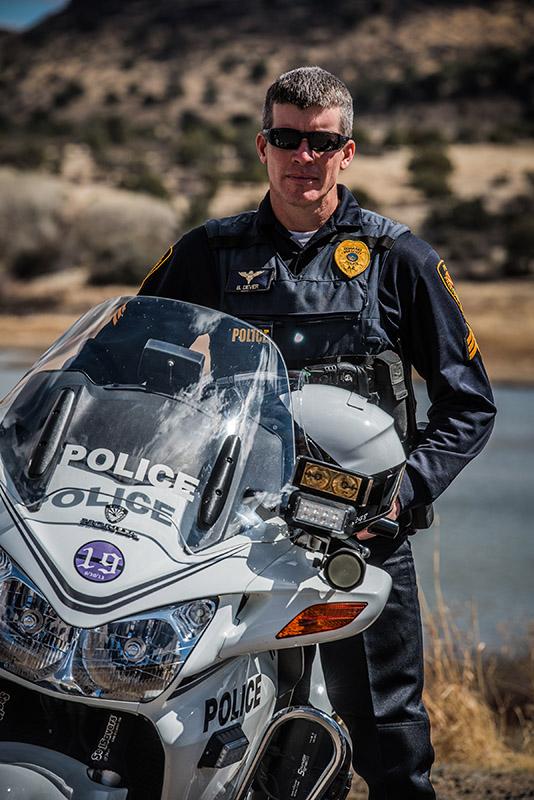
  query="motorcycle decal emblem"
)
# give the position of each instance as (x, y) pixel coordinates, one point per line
(115, 513)
(249, 280)
(352, 257)
(234, 705)
(99, 562)
(470, 341)
(118, 314)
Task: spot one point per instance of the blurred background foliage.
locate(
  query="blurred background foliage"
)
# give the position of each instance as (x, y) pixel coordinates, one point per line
(123, 124)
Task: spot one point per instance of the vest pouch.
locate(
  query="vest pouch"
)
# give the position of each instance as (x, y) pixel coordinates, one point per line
(305, 339)
(390, 385)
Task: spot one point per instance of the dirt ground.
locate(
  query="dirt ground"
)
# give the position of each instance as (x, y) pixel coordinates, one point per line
(455, 782)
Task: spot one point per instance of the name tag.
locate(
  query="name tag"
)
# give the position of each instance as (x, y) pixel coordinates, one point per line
(249, 280)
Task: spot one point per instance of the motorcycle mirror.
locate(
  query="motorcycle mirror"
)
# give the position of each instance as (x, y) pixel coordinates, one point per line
(168, 368)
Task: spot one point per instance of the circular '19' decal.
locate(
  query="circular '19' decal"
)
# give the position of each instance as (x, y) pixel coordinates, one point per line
(99, 561)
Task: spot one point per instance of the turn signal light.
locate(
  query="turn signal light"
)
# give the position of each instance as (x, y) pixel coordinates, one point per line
(321, 618)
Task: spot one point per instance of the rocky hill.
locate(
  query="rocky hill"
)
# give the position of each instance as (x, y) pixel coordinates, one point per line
(164, 96)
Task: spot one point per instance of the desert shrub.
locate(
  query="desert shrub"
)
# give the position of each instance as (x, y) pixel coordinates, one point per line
(365, 198)
(99, 132)
(31, 222)
(116, 129)
(47, 224)
(197, 139)
(23, 154)
(519, 243)
(258, 71)
(402, 136)
(210, 93)
(69, 92)
(111, 98)
(229, 62)
(141, 178)
(470, 215)
(239, 121)
(430, 168)
(118, 235)
(174, 88)
(32, 263)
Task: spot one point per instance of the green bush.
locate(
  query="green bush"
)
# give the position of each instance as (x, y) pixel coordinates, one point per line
(69, 92)
(519, 243)
(210, 94)
(23, 154)
(140, 178)
(258, 71)
(430, 169)
(364, 198)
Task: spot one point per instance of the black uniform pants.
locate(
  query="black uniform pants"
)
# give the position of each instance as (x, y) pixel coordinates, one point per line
(375, 681)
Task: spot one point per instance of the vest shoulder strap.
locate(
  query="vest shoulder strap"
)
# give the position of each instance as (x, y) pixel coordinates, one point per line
(382, 230)
(237, 231)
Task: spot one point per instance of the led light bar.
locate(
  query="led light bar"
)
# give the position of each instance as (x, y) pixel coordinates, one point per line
(310, 511)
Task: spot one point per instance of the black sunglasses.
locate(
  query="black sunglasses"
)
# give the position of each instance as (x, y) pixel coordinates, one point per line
(290, 139)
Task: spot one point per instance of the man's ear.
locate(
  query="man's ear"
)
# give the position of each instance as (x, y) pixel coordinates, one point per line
(348, 153)
(261, 147)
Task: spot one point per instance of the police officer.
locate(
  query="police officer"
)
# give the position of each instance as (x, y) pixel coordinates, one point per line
(329, 280)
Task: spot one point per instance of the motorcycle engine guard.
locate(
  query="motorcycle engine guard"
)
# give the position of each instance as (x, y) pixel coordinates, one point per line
(304, 754)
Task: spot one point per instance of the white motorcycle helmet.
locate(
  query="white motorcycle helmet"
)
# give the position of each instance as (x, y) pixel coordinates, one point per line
(349, 450)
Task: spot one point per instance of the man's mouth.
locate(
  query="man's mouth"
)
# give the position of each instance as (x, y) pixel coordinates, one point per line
(302, 178)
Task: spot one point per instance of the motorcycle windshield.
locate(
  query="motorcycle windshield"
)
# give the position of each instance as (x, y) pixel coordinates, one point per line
(157, 402)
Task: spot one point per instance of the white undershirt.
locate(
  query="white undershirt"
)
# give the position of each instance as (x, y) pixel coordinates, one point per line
(302, 237)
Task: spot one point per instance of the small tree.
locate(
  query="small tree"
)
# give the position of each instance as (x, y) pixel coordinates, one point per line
(430, 169)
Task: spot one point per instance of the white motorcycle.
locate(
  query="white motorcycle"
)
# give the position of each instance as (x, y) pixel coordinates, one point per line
(164, 557)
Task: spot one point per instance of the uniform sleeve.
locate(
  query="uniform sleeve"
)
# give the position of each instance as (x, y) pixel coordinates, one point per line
(425, 312)
(186, 271)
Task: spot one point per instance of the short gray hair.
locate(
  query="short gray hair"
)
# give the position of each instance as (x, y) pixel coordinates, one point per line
(305, 87)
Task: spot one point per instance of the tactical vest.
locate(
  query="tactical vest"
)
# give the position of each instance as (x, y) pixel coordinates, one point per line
(318, 314)
(327, 313)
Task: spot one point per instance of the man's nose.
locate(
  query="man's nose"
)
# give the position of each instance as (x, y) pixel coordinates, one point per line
(303, 154)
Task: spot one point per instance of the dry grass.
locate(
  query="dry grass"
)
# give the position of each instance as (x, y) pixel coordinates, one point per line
(478, 704)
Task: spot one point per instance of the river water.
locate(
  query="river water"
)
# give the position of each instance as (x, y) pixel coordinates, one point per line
(483, 531)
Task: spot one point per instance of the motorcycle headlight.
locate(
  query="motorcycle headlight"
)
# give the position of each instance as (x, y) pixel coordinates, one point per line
(33, 639)
(137, 658)
(131, 659)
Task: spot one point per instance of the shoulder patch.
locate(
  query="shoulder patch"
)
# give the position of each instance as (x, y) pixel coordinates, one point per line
(165, 257)
(470, 341)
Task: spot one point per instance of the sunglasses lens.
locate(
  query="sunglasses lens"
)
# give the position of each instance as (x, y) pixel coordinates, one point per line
(290, 139)
(324, 141)
(285, 138)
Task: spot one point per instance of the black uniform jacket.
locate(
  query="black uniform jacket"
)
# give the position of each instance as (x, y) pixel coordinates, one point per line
(420, 316)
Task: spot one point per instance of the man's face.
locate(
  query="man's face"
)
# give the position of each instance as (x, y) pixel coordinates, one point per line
(304, 177)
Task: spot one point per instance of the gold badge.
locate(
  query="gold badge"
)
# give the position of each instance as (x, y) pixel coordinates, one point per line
(470, 341)
(352, 257)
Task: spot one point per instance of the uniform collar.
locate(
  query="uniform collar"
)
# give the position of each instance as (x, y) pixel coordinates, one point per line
(347, 215)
